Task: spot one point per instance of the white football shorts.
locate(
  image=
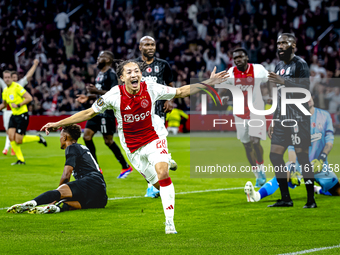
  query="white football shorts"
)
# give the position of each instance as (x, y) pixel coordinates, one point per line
(145, 158)
(245, 128)
(6, 116)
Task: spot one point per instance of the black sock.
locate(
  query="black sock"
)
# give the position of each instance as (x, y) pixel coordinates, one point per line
(283, 185)
(308, 175)
(90, 145)
(118, 154)
(281, 175)
(47, 197)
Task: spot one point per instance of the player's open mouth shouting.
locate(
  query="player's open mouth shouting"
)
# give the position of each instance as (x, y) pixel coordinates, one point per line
(134, 83)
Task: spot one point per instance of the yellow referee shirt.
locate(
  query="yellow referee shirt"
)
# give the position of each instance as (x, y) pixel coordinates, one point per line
(14, 94)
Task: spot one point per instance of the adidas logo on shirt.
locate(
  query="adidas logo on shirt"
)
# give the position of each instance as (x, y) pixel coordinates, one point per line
(127, 108)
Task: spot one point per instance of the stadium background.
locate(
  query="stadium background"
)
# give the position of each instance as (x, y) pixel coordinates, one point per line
(193, 36)
(212, 215)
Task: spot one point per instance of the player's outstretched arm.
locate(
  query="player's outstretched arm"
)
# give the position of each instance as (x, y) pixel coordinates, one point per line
(32, 70)
(3, 105)
(215, 78)
(75, 118)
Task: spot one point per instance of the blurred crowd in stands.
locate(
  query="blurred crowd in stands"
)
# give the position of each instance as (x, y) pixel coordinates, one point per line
(193, 36)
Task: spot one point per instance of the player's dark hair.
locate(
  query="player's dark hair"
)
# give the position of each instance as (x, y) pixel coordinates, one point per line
(289, 35)
(119, 65)
(241, 49)
(109, 54)
(14, 72)
(73, 130)
(7, 71)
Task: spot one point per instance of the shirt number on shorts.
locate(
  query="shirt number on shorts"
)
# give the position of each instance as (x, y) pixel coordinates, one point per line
(103, 126)
(161, 144)
(295, 139)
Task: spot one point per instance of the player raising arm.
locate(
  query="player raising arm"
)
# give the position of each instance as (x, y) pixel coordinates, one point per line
(142, 133)
(8, 113)
(17, 98)
(87, 191)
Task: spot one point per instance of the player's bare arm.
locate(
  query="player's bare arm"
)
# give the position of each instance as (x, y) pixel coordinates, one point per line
(328, 147)
(82, 98)
(215, 78)
(271, 130)
(27, 99)
(65, 178)
(3, 105)
(75, 118)
(93, 90)
(32, 69)
(275, 78)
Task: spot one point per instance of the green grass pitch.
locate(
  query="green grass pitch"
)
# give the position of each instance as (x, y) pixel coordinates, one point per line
(211, 222)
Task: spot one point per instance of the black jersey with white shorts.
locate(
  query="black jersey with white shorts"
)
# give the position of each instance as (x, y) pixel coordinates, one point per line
(158, 71)
(89, 188)
(296, 75)
(104, 122)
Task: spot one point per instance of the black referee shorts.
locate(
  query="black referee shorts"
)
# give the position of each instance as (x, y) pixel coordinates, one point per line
(19, 122)
(89, 191)
(286, 134)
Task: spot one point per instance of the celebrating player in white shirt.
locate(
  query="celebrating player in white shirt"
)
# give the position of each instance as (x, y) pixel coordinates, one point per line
(7, 113)
(250, 76)
(141, 132)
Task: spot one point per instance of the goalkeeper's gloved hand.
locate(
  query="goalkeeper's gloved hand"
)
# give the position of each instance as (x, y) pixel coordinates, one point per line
(295, 176)
(318, 163)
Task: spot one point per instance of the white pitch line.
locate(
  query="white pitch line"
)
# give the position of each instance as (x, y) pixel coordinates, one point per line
(312, 250)
(181, 193)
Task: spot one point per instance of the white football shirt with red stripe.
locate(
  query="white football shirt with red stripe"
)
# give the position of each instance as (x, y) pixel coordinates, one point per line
(251, 78)
(138, 124)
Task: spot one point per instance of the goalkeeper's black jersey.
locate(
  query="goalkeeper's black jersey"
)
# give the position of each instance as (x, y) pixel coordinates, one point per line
(296, 75)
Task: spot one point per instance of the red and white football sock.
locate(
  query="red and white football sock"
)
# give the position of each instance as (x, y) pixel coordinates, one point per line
(167, 192)
(255, 171)
(260, 166)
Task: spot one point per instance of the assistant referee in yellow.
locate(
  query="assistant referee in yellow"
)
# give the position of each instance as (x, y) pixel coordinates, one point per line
(17, 98)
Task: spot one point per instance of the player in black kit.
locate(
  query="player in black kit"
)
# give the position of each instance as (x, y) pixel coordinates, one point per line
(105, 123)
(158, 70)
(292, 71)
(87, 191)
